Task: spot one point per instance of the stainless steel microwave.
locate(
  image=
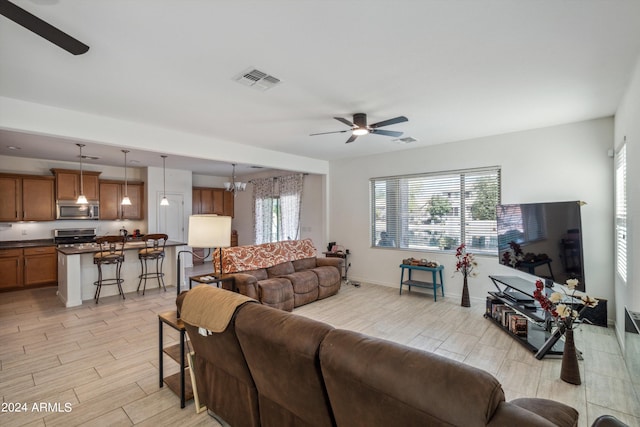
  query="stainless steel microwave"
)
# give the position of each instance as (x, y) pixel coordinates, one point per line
(69, 209)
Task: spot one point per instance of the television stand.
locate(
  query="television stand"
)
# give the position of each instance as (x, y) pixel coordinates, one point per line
(514, 309)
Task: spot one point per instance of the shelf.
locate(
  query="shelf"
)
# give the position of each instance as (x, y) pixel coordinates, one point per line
(535, 315)
(173, 382)
(173, 352)
(536, 338)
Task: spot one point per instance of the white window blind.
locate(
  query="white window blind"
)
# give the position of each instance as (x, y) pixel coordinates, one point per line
(436, 211)
(621, 212)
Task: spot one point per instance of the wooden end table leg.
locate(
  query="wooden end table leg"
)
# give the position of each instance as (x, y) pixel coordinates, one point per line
(160, 364)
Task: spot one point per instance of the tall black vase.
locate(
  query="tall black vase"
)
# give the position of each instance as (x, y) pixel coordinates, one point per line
(465, 294)
(570, 371)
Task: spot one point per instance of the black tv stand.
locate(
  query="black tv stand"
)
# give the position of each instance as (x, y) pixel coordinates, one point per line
(515, 294)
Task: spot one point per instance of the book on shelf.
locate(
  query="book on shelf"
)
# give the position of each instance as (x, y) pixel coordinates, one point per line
(518, 325)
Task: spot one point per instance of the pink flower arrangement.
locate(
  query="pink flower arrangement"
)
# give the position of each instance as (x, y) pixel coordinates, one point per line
(466, 262)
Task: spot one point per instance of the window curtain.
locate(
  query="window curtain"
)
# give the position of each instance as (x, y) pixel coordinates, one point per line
(277, 204)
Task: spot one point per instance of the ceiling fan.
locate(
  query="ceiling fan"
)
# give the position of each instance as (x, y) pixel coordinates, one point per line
(42, 28)
(359, 126)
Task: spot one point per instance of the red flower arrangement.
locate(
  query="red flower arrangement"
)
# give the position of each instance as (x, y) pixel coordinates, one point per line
(514, 256)
(465, 261)
(563, 311)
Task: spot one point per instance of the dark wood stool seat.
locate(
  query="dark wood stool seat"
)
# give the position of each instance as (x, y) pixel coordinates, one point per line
(111, 253)
(153, 250)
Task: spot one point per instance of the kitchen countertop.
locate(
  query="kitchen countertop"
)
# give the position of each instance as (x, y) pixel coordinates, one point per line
(92, 247)
(19, 244)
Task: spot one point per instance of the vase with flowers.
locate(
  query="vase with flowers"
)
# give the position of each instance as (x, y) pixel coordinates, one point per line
(465, 264)
(562, 308)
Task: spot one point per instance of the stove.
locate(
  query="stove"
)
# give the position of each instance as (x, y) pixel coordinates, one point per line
(74, 237)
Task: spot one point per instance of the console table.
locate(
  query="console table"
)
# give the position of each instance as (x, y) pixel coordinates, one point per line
(435, 271)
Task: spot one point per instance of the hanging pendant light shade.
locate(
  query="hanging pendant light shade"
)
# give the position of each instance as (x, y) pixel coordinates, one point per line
(164, 201)
(82, 200)
(125, 200)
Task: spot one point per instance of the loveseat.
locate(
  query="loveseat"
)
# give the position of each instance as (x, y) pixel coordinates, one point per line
(282, 275)
(283, 369)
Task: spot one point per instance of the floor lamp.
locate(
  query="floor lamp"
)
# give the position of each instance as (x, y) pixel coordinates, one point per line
(206, 231)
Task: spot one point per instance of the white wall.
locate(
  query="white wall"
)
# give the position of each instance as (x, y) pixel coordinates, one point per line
(559, 163)
(627, 125)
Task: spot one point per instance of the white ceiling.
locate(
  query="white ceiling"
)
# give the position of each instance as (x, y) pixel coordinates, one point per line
(457, 69)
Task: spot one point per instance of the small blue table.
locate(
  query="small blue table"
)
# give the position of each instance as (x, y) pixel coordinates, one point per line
(421, 284)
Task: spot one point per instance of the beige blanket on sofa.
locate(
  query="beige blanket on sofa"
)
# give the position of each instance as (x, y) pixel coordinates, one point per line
(197, 308)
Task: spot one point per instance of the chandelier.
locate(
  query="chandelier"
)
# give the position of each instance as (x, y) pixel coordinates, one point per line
(235, 186)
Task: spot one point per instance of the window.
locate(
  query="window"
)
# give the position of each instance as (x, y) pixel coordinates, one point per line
(621, 212)
(277, 203)
(436, 211)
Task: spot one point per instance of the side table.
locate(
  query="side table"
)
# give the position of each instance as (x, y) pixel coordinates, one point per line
(422, 284)
(179, 383)
(206, 279)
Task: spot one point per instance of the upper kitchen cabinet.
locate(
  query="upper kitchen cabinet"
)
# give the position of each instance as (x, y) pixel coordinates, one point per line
(111, 194)
(68, 184)
(27, 198)
(212, 201)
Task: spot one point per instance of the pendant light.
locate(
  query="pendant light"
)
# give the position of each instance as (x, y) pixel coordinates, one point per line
(164, 201)
(125, 200)
(235, 186)
(82, 200)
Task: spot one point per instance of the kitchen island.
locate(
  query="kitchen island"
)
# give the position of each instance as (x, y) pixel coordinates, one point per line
(77, 272)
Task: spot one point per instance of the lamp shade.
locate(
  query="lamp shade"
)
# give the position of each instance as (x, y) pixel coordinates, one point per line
(209, 231)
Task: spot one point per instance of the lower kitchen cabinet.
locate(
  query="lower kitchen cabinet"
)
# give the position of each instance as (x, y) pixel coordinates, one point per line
(28, 267)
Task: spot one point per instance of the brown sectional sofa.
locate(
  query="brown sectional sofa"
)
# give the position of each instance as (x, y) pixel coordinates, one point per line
(292, 371)
(282, 275)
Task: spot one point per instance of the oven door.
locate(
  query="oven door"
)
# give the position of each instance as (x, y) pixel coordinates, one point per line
(71, 210)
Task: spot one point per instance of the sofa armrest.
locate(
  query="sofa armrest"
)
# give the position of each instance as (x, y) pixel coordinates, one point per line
(333, 261)
(511, 414)
(246, 284)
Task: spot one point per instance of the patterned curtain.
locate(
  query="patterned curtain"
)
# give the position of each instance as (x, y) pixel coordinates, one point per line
(290, 191)
(276, 208)
(263, 200)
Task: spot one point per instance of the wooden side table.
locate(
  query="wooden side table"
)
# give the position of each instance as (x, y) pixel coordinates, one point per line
(179, 383)
(422, 284)
(206, 279)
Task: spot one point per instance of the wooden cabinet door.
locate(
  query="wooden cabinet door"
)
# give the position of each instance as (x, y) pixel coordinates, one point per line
(10, 199)
(218, 201)
(110, 200)
(228, 203)
(67, 185)
(91, 186)
(38, 199)
(195, 201)
(11, 268)
(206, 201)
(136, 195)
(40, 266)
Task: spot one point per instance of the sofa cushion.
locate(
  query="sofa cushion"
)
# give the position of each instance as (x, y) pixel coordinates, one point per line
(372, 381)
(259, 274)
(557, 413)
(328, 281)
(280, 269)
(276, 292)
(303, 281)
(281, 350)
(304, 264)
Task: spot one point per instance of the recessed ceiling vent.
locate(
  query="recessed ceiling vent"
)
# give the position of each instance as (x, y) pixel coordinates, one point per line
(256, 79)
(405, 140)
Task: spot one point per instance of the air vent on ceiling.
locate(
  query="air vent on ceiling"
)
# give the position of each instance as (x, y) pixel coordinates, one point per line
(405, 140)
(90, 157)
(256, 79)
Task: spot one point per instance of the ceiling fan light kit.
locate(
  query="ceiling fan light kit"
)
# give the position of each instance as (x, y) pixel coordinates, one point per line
(359, 127)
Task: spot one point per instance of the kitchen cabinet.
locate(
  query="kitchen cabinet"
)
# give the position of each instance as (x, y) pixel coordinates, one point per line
(111, 194)
(35, 266)
(68, 184)
(27, 198)
(40, 266)
(212, 201)
(11, 267)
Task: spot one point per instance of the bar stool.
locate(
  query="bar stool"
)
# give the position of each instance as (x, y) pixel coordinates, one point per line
(153, 250)
(111, 253)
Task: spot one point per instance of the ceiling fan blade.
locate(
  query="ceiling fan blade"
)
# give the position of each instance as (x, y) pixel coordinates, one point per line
(42, 28)
(345, 121)
(326, 133)
(351, 139)
(385, 132)
(393, 121)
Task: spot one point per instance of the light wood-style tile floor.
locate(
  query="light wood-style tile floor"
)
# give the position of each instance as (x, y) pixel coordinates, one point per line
(102, 360)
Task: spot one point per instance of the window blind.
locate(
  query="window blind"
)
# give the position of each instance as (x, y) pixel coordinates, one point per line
(621, 212)
(436, 211)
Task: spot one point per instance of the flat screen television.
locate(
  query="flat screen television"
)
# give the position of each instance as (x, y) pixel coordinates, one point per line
(542, 239)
